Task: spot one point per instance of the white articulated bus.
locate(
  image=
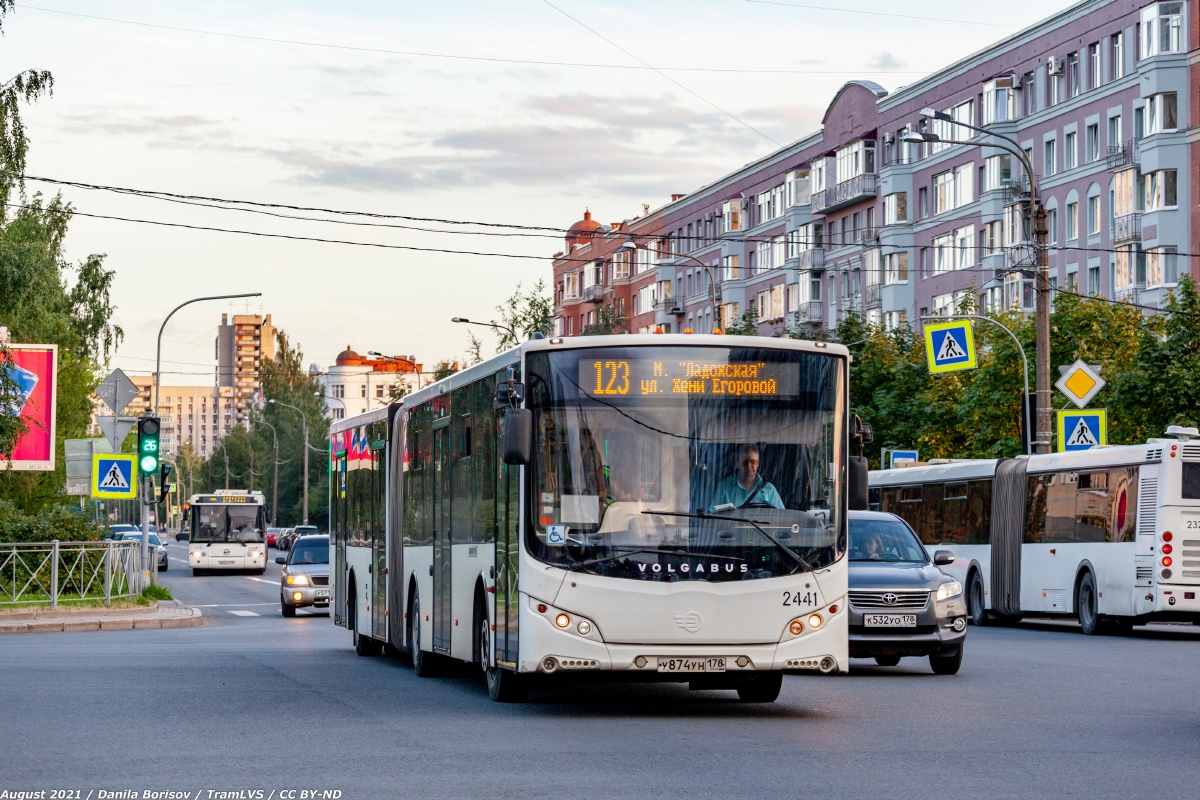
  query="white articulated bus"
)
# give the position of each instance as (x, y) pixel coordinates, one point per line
(1110, 535)
(227, 531)
(651, 507)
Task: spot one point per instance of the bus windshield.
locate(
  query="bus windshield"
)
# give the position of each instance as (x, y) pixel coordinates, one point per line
(687, 463)
(228, 523)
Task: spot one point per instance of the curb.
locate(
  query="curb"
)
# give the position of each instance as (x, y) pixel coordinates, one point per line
(175, 616)
(67, 611)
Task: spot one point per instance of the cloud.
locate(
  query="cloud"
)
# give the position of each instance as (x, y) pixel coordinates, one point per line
(886, 60)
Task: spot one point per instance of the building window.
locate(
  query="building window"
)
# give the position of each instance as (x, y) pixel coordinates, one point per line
(1127, 194)
(798, 191)
(1114, 132)
(731, 215)
(621, 265)
(1161, 267)
(1093, 65)
(338, 413)
(571, 285)
(923, 202)
(895, 267)
(1131, 267)
(1161, 187)
(895, 208)
(1116, 65)
(1161, 113)
(1162, 29)
(1050, 159)
(1093, 285)
(1052, 225)
(1070, 150)
(993, 237)
(1074, 84)
(943, 254)
(997, 171)
(1093, 215)
(855, 159)
(999, 100)
(729, 268)
(1072, 221)
(1091, 142)
(1027, 89)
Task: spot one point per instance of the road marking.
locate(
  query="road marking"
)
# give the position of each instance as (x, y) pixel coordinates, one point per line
(235, 605)
(180, 561)
(245, 613)
(261, 580)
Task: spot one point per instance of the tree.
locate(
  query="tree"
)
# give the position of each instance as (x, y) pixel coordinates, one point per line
(745, 325)
(524, 315)
(609, 320)
(444, 369)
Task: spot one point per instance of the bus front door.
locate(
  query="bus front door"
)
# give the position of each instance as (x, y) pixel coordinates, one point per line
(507, 513)
(441, 539)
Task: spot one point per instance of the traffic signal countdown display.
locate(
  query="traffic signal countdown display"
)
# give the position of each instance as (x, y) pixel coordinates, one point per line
(148, 445)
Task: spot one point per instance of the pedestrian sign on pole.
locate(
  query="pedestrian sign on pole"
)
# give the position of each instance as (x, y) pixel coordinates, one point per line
(1082, 430)
(114, 476)
(950, 346)
(1080, 383)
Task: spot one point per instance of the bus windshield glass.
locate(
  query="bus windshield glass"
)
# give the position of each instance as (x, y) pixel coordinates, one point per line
(228, 523)
(687, 463)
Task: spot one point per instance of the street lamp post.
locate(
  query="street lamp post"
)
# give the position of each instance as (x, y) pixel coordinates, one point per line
(713, 283)
(1024, 364)
(304, 426)
(1042, 282)
(495, 325)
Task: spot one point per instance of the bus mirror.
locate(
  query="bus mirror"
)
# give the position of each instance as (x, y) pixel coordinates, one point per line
(518, 434)
(943, 557)
(857, 484)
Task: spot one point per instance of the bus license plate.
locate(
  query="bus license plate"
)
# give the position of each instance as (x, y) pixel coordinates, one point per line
(691, 665)
(226, 563)
(890, 620)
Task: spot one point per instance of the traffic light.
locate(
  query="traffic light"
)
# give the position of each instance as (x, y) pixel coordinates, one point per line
(164, 483)
(148, 445)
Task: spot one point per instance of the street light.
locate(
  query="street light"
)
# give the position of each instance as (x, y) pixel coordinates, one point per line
(1042, 285)
(1024, 363)
(714, 285)
(496, 325)
(304, 424)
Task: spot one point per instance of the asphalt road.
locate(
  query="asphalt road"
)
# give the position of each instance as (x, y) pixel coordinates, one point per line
(253, 701)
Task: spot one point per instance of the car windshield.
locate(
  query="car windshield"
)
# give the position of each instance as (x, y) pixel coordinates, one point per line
(638, 448)
(227, 523)
(884, 540)
(310, 551)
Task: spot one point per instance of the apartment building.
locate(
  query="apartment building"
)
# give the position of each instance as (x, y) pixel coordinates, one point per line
(356, 384)
(854, 217)
(196, 415)
(242, 346)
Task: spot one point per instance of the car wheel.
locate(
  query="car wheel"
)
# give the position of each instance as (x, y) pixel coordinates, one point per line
(503, 685)
(762, 688)
(1085, 605)
(162, 568)
(287, 611)
(947, 665)
(975, 604)
(887, 661)
(423, 663)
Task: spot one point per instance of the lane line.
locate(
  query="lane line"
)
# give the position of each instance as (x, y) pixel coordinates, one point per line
(261, 580)
(244, 613)
(235, 605)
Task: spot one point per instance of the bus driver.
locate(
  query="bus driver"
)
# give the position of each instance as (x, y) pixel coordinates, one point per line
(745, 486)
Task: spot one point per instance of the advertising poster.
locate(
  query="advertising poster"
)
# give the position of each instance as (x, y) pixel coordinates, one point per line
(35, 367)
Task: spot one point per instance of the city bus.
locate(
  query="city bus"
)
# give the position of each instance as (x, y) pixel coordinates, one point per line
(1109, 535)
(643, 507)
(227, 532)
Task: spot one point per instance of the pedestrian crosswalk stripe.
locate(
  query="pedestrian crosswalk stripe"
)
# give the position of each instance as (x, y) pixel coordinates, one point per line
(243, 613)
(1082, 435)
(950, 349)
(115, 479)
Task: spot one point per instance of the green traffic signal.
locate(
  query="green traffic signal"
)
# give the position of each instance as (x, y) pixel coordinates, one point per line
(148, 428)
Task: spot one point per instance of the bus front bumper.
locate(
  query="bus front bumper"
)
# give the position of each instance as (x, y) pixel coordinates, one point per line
(547, 649)
(203, 561)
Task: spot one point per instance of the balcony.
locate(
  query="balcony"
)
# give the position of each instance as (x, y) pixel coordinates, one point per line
(866, 236)
(871, 296)
(593, 294)
(813, 258)
(1129, 294)
(807, 313)
(846, 193)
(1122, 156)
(1127, 228)
(669, 305)
(1021, 255)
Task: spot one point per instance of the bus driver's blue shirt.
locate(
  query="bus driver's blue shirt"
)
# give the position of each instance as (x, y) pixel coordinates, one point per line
(730, 490)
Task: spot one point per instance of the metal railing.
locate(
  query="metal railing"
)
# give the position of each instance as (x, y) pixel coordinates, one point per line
(593, 293)
(813, 258)
(871, 295)
(1127, 227)
(845, 193)
(52, 572)
(809, 312)
(1121, 156)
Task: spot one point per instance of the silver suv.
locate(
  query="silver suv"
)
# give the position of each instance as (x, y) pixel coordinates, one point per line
(304, 579)
(901, 604)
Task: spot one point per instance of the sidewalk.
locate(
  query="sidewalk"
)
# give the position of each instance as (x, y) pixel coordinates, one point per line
(164, 614)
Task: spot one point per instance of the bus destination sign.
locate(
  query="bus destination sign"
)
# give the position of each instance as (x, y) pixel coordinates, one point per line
(223, 499)
(646, 377)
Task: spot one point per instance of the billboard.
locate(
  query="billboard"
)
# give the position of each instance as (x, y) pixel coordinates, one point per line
(35, 367)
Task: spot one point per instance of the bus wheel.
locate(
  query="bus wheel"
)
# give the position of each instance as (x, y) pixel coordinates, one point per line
(1085, 604)
(762, 688)
(503, 686)
(975, 606)
(422, 661)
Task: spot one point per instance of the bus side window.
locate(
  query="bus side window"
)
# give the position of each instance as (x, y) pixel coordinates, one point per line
(1123, 496)
(1191, 481)
(875, 498)
(1092, 508)
(932, 528)
(954, 512)
(908, 507)
(979, 512)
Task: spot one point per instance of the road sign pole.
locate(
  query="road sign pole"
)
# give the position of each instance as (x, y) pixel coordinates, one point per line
(145, 531)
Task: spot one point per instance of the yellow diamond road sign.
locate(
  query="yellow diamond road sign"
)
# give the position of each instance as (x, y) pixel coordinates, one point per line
(1080, 383)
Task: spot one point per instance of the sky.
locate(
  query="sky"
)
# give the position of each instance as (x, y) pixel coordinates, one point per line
(421, 110)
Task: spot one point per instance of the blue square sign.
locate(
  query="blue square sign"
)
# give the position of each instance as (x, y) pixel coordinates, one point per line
(950, 346)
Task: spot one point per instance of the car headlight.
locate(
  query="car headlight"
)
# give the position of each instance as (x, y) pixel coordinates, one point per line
(302, 580)
(948, 590)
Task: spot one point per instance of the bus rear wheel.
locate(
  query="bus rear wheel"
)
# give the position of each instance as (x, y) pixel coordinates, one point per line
(503, 686)
(762, 688)
(422, 662)
(363, 645)
(1085, 605)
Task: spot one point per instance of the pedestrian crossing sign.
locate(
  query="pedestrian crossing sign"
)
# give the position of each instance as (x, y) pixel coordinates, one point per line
(950, 346)
(1082, 430)
(113, 476)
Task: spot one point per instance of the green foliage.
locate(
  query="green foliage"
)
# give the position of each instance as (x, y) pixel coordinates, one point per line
(53, 522)
(609, 320)
(745, 325)
(444, 369)
(156, 592)
(524, 315)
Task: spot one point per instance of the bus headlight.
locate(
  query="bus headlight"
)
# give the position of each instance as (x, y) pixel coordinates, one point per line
(297, 580)
(948, 590)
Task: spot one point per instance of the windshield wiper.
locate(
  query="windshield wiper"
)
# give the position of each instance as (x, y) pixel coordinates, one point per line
(631, 550)
(792, 554)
